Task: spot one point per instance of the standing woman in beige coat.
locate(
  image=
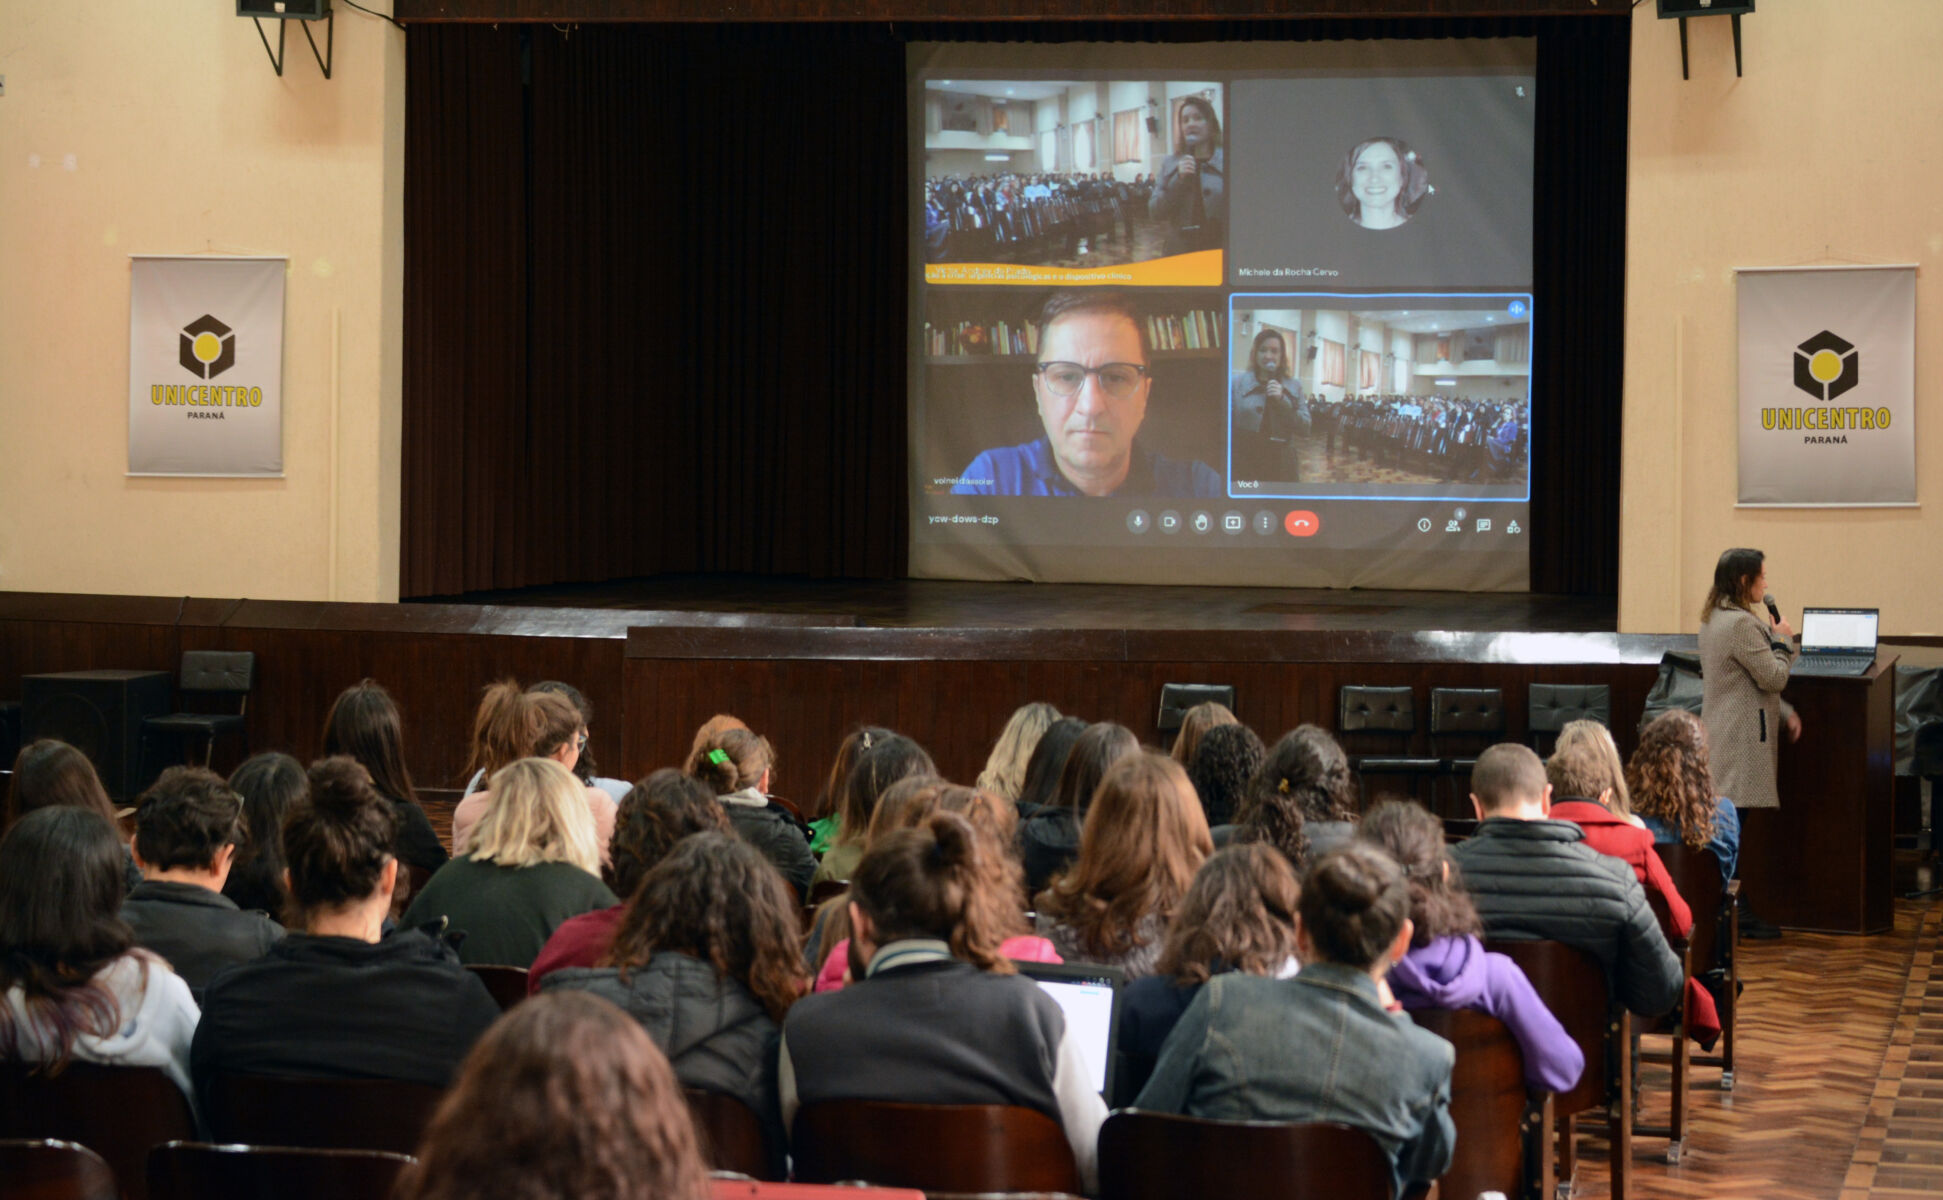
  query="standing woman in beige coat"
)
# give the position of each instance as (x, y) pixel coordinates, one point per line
(1745, 658)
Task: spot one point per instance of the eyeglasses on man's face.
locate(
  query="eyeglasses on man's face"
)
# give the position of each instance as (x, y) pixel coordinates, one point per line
(1116, 379)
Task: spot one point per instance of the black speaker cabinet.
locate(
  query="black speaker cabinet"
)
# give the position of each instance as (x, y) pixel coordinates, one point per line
(100, 714)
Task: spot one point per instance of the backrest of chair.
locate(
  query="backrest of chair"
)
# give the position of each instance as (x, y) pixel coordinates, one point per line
(196, 1171)
(117, 1112)
(730, 1133)
(1554, 705)
(507, 984)
(1376, 709)
(1158, 1156)
(1696, 876)
(53, 1170)
(231, 671)
(936, 1147)
(749, 1189)
(1573, 986)
(1488, 1099)
(327, 1114)
(1475, 711)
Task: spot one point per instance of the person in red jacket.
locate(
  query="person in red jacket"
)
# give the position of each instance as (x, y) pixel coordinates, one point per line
(1589, 780)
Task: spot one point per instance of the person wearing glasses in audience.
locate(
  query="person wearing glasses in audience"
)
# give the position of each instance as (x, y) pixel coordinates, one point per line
(1091, 384)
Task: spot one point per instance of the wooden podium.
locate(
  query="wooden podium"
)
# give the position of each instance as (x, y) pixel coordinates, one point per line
(1821, 861)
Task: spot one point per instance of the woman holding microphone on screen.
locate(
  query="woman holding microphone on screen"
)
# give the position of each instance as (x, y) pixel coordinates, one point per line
(1745, 657)
(1191, 190)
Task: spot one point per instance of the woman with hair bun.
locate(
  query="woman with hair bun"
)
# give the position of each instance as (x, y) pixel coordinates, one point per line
(565, 1099)
(937, 1015)
(512, 725)
(736, 764)
(338, 997)
(1303, 799)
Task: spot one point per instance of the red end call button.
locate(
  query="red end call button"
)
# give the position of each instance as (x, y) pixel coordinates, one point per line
(1302, 523)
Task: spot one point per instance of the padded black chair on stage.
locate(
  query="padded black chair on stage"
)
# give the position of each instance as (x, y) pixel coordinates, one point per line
(731, 1135)
(1552, 706)
(322, 1114)
(936, 1147)
(1366, 715)
(209, 678)
(117, 1112)
(507, 984)
(1160, 1156)
(197, 1171)
(1472, 718)
(1573, 986)
(46, 1169)
(1504, 1129)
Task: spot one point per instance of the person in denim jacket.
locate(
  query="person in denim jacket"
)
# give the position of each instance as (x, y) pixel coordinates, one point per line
(1329, 1044)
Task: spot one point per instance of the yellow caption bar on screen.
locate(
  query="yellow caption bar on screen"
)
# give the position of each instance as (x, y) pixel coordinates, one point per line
(1199, 269)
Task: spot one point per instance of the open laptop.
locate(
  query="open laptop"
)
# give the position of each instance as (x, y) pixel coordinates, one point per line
(1089, 995)
(1837, 641)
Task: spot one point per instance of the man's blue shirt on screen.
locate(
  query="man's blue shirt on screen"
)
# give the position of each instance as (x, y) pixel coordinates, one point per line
(1031, 470)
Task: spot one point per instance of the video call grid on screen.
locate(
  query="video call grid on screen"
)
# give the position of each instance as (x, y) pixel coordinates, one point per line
(1379, 171)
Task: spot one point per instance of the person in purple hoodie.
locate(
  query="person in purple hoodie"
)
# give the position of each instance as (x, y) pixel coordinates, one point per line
(1447, 966)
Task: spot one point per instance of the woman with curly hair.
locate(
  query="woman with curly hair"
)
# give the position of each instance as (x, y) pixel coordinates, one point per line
(1143, 840)
(1673, 790)
(1224, 762)
(564, 1099)
(1239, 915)
(1303, 800)
(656, 813)
(705, 959)
(1447, 965)
(937, 1015)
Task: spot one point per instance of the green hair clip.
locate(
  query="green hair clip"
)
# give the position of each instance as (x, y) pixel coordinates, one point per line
(718, 756)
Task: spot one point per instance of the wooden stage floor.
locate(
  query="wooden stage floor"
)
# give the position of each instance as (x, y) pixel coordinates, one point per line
(949, 604)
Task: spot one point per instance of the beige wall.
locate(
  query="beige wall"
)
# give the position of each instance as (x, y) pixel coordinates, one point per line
(184, 141)
(1827, 151)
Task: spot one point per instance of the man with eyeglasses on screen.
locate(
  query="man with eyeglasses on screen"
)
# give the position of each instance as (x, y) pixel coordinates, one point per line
(1091, 384)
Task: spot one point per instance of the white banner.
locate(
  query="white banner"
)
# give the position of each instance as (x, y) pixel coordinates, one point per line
(1828, 386)
(205, 366)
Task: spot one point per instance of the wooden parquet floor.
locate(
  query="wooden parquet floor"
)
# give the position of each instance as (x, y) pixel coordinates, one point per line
(1838, 1087)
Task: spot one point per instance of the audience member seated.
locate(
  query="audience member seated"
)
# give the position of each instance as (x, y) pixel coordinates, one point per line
(705, 959)
(736, 764)
(1447, 966)
(887, 760)
(1049, 838)
(1673, 790)
(49, 772)
(1005, 766)
(937, 1015)
(1588, 789)
(186, 832)
(77, 988)
(339, 998)
(822, 814)
(565, 1099)
(585, 769)
(1143, 839)
(1223, 764)
(364, 725)
(1039, 790)
(1238, 916)
(269, 785)
(512, 725)
(533, 863)
(662, 809)
(1303, 800)
(1535, 879)
(1325, 1045)
(908, 804)
(1197, 723)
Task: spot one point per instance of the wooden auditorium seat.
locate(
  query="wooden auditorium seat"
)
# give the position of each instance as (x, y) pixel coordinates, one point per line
(320, 1114)
(1504, 1128)
(1161, 1156)
(506, 984)
(731, 1135)
(117, 1112)
(197, 1171)
(1716, 937)
(46, 1169)
(936, 1147)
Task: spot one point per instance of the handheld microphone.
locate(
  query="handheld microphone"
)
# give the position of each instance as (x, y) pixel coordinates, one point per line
(1774, 612)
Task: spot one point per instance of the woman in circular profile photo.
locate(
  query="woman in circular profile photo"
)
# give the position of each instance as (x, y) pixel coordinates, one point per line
(1381, 183)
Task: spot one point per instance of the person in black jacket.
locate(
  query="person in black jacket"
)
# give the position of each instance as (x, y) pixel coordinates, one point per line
(1535, 879)
(1049, 838)
(186, 832)
(736, 763)
(338, 998)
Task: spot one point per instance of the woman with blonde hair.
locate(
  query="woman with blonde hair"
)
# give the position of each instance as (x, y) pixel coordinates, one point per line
(511, 725)
(532, 863)
(1590, 744)
(1144, 838)
(1004, 773)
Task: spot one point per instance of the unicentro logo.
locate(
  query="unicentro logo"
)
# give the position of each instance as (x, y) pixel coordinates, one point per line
(1826, 366)
(209, 347)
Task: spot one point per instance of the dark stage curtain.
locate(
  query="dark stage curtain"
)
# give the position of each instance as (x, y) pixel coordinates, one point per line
(655, 294)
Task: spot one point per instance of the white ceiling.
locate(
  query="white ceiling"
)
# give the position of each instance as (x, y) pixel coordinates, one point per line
(1002, 89)
(1420, 320)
